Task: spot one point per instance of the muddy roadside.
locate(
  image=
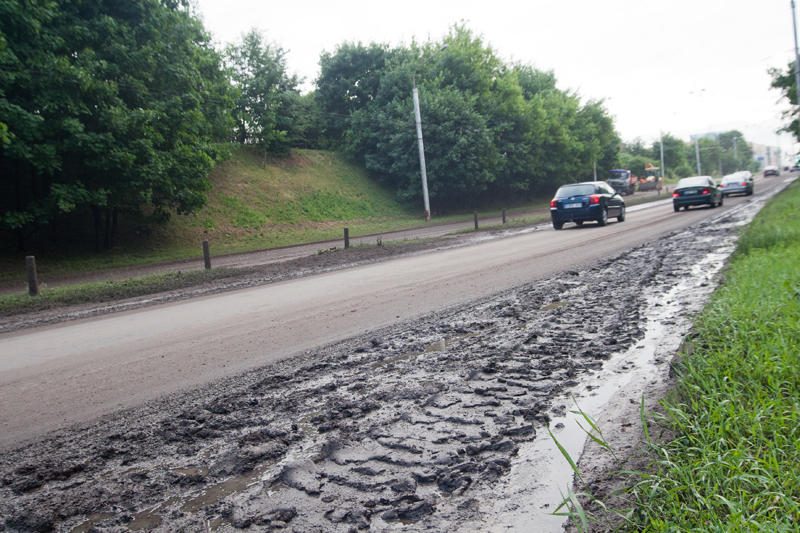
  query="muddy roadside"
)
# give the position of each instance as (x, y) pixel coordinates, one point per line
(433, 424)
(229, 279)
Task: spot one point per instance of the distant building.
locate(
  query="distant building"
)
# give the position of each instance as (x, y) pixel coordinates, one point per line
(768, 155)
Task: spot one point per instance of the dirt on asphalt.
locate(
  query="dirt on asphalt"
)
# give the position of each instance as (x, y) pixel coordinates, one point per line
(427, 425)
(325, 260)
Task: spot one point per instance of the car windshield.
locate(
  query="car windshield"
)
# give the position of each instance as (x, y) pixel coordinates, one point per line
(732, 179)
(575, 190)
(696, 181)
(617, 175)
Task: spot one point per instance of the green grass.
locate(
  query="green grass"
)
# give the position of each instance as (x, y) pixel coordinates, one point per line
(734, 464)
(108, 291)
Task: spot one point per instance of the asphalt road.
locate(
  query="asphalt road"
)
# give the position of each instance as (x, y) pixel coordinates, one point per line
(73, 373)
(277, 255)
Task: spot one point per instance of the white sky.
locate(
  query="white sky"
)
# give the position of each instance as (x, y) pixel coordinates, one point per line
(678, 66)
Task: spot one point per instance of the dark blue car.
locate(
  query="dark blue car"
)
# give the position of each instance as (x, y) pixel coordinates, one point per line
(592, 201)
(696, 190)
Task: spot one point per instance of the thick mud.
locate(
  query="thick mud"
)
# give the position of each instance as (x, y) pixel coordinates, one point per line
(415, 427)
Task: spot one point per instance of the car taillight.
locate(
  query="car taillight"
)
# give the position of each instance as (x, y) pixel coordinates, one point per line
(552, 203)
(721, 185)
(676, 194)
(706, 191)
(594, 199)
(744, 184)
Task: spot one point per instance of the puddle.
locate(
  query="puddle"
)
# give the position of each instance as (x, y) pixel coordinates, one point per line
(239, 484)
(216, 493)
(146, 521)
(540, 476)
(91, 521)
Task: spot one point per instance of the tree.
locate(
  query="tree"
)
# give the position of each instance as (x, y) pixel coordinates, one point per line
(267, 96)
(109, 106)
(785, 82)
(491, 130)
(675, 151)
(349, 80)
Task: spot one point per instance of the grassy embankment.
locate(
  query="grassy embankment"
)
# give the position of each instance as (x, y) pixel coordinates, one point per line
(734, 464)
(307, 197)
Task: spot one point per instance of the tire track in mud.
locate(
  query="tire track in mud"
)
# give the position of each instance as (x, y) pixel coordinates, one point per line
(410, 426)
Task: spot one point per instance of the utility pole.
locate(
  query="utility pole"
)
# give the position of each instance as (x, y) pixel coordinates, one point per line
(735, 152)
(594, 167)
(697, 156)
(421, 146)
(661, 143)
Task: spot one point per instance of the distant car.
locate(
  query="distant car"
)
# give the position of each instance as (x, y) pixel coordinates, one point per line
(795, 168)
(737, 183)
(696, 190)
(621, 181)
(590, 201)
(771, 170)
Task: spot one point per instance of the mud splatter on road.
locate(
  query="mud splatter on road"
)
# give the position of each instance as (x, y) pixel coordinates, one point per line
(414, 426)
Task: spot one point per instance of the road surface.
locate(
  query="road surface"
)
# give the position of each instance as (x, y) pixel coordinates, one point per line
(73, 373)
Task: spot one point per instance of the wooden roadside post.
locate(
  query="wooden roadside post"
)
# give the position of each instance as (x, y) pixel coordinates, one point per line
(347, 238)
(504, 216)
(475, 216)
(206, 256)
(33, 278)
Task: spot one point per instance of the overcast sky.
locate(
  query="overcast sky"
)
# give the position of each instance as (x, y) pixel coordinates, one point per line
(676, 66)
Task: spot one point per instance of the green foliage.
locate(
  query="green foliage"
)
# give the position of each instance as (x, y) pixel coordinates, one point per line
(634, 163)
(267, 101)
(726, 153)
(733, 464)
(779, 227)
(785, 82)
(107, 105)
(349, 78)
(491, 130)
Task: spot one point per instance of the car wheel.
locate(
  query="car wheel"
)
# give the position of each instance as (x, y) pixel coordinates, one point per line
(558, 225)
(720, 201)
(603, 219)
(579, 223)
(621, 217)
(676, 207)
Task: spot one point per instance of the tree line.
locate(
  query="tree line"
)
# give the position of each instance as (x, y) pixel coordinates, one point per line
(121, 109)
(720, 154)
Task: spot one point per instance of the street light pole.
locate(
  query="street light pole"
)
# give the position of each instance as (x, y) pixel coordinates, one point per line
(421, 147)
(661, 143)
(796, 68)
(697, 156)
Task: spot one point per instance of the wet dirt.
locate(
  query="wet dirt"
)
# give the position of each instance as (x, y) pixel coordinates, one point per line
(438, 424)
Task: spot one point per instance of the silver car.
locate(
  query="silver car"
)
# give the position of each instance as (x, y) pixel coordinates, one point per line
(737, 183)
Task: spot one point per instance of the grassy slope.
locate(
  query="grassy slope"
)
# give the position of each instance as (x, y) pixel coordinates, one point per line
(306, 197)
(735, 464)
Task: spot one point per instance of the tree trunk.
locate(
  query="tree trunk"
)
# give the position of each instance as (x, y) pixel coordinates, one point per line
(20, 239)
(97, 217)
(107, 230)
(113, 235)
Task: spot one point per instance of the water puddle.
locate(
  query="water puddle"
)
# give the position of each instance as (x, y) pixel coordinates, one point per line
(91, 521)
(540, 476)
